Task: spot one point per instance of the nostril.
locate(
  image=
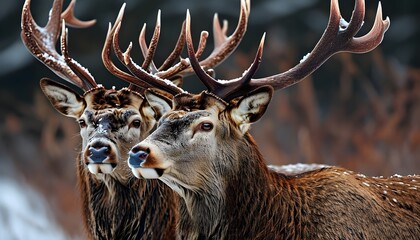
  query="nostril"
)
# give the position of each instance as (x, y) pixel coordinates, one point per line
(143, 155)
(102, 150)
(99, 154)
(137, 158)
(135, 149)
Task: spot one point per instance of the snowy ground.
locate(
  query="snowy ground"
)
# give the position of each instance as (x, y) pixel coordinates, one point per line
(24, 212)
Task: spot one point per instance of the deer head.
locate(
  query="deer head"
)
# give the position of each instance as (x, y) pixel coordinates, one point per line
(109, 119)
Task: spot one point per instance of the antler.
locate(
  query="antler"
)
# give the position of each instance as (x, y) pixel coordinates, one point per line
(338, 37)
(224, 45)
(149, 74)
(41, 42)
(106, 57)
(138, 76)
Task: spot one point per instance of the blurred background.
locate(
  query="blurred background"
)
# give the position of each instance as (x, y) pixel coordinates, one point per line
(361, 112)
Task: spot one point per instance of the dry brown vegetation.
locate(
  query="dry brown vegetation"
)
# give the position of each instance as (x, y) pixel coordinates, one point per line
(370, 129)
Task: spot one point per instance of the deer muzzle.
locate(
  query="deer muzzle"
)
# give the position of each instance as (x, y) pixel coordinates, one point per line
(100, 157)
(144, 163)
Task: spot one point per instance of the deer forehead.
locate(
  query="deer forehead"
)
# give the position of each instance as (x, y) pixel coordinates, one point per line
(202, 101)
(101, 98)
(111, 115)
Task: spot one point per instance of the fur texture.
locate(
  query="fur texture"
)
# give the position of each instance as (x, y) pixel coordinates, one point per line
(228, 191)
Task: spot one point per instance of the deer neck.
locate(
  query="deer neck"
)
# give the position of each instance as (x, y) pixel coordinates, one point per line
(126, 210)
(224, 211)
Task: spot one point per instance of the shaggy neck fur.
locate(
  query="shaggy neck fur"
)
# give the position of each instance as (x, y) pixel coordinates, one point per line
(208, 212)
(134, 209)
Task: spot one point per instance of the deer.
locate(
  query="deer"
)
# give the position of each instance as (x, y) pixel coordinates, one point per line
(117, 205)
(202, 149)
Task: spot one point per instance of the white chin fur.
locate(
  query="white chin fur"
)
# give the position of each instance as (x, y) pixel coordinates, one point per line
(100, 168)
(148, 173)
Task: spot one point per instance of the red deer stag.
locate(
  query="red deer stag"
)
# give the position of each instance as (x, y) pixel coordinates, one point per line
(116, 205)
(203, 151)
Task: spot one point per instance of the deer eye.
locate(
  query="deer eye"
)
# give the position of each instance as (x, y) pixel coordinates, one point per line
(206, 126)
(82, 123)
(135, 123)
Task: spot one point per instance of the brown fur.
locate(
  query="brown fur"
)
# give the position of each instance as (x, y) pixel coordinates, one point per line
(330, 203)
(138, 209)
(229, 193)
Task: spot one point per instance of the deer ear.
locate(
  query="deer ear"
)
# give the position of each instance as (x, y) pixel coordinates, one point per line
(250, 108)
(160, 103)
(63, 99)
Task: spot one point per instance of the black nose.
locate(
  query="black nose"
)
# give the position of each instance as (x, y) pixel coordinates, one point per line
(137, 157)
(97, 155)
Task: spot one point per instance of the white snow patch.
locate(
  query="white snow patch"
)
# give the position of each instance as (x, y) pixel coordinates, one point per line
(81, 67)
(101, 129)
(305, 57)
(222, 81)
(366, 184)
(169, 83)
(24, 213)
(343, 24)
(297, 168)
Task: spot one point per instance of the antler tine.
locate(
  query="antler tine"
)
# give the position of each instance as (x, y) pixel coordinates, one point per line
(225, 45)
(179, 46)
(372, 39)
(135, 84)
(338, 37)
(81, 72)
(177, 69)
(226, 90)
(137, 71)
(163, 84)
(41, 41)
(207, 80)
(164, 71)
(149, 52)
(240, 86)
(71, 20)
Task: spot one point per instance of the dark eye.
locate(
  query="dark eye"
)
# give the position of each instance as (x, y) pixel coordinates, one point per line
(136, 123)
(206, 126)
(82, 123)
